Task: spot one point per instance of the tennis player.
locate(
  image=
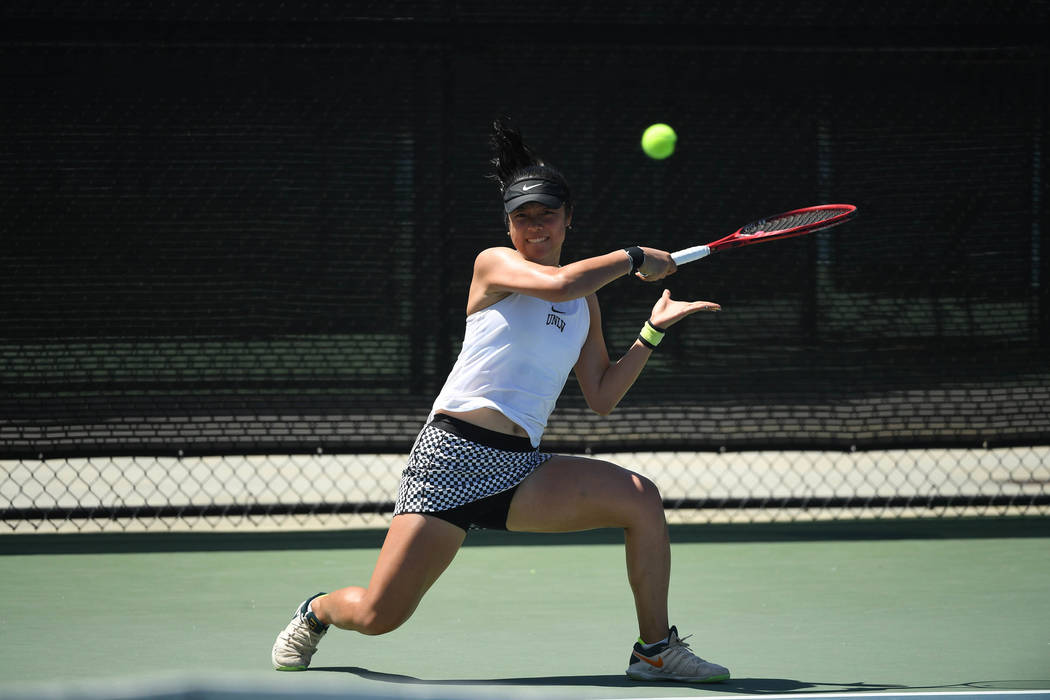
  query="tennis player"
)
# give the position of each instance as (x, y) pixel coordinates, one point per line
(477, 464)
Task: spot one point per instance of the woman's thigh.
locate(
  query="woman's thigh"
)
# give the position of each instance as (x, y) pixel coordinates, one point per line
(568, 493)
(417, 550)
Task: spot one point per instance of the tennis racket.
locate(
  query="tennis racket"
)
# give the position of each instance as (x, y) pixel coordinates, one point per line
(796, 222)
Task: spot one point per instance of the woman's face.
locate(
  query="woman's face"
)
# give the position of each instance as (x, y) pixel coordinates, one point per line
(538, 232)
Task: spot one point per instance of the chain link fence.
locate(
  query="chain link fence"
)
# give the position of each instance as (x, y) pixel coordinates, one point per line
(320, 491)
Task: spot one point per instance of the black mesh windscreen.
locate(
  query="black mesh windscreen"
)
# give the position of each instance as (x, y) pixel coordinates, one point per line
(233, 231)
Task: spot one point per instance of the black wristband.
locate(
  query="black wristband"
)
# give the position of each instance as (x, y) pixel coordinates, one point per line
(637, 257)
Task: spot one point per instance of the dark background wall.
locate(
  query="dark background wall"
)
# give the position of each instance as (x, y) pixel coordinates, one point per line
(235, 227)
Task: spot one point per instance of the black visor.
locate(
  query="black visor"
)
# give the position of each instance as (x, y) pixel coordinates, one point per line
(547, 192)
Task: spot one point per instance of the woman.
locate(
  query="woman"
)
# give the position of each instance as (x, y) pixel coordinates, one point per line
(476, 463)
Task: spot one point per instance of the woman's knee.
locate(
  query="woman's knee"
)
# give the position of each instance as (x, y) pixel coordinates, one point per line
(644, 488)
(381, 623)
(645, 496)
(362, 614)
(374, 621)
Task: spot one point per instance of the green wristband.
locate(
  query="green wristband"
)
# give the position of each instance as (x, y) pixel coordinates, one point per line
(650, 335)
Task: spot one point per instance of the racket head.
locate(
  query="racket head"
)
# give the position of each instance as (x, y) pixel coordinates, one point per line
(796, 222)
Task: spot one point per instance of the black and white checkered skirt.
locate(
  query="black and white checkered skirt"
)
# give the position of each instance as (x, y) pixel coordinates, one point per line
(453, 463)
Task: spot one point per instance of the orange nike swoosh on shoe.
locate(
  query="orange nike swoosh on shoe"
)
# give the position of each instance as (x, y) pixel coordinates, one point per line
(659, 663)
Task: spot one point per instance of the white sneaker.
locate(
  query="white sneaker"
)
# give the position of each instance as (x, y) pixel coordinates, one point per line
(295, 646)
(672, 661)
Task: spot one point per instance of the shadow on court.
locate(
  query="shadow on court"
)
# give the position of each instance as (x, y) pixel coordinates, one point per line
(735, 686)
(752, 686)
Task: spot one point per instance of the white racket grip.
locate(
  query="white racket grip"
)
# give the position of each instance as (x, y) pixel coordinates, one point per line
(688, 255)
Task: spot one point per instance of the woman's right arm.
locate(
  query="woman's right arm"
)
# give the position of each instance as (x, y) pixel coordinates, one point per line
(501, 271)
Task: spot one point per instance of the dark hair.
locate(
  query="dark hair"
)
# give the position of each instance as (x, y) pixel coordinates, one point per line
(513, 161)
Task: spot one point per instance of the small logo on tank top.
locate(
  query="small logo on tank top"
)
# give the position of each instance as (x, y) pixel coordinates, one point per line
(556, 321)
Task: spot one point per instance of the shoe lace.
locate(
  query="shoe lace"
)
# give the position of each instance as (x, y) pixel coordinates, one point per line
(679, 648)
(301, 638)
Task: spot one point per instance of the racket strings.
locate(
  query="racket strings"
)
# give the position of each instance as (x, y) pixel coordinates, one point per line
(795, 220)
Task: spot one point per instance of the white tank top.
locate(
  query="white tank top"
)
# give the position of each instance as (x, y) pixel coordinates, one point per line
(515, 358)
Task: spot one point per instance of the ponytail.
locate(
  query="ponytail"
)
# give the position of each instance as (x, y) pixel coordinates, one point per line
(510, 155)
(512, 160)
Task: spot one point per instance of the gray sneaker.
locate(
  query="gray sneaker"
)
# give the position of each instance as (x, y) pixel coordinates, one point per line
(295, 646)
(673, 661)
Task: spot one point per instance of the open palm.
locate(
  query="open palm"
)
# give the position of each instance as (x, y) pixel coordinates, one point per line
(667, 311)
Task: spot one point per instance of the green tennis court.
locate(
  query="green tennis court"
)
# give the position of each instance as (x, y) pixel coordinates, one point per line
(238, 248)
(839, 608)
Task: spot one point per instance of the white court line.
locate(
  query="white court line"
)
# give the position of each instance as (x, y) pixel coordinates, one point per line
(827, 695)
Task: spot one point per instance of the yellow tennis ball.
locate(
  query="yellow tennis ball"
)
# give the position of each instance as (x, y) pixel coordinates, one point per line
(658, 141)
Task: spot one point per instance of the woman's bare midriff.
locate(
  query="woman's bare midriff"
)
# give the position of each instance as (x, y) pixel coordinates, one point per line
(490, 419)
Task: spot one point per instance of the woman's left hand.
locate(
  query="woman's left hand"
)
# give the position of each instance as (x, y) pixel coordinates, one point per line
(667, 312)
